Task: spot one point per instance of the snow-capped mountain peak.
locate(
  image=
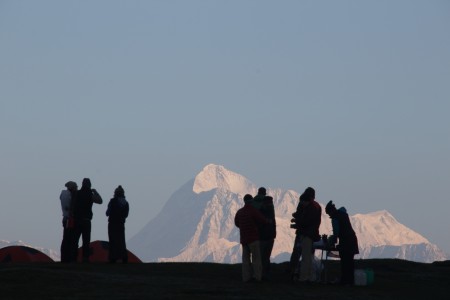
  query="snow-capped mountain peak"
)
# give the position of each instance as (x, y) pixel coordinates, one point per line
(217, 177)
(381, 228)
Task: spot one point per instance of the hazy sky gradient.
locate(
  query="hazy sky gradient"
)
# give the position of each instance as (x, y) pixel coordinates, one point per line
(350, 97)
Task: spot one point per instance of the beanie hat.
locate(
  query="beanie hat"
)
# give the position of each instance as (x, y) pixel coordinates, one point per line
(262, 191)
(119, 191)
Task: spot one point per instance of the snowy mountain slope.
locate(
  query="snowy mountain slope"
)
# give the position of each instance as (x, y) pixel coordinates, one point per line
(381, 228)
(197, 224)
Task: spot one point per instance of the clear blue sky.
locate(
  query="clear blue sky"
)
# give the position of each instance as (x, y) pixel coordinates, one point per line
(350, 97)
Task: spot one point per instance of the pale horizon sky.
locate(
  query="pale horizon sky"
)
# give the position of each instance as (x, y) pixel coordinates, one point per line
(350, 97)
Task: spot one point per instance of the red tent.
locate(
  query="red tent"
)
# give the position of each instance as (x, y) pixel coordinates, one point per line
(22, 254)
(100, 250)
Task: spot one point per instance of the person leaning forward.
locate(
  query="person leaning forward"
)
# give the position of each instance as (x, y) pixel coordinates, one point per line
(348, 242)
(247, 220)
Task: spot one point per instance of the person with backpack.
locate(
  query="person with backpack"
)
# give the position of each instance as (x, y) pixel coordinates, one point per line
(67, 198)
(267, 232)
(348, 242)
(117, 213)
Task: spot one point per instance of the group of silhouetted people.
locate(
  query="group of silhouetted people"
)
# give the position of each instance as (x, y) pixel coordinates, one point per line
(256, 223)
(77, 216)
(257, 226)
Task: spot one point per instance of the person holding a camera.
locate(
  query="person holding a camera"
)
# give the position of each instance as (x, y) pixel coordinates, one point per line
(297, 249)
(86, 197)
(307, 223)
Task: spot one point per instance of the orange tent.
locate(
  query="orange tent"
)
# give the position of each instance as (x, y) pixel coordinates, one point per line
(22, 254)
(99, 251)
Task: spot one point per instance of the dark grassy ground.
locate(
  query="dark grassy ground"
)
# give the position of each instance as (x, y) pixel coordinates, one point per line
(394, 279)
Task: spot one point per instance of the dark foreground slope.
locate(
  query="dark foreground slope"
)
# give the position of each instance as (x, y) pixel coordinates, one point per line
(394, 279)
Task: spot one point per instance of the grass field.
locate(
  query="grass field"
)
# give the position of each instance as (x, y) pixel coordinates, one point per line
(394, 279)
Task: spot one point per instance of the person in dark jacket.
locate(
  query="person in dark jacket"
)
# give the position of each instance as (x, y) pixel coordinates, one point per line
(308, 228)
(67, 198)
(348, 242)
(247, 220)
(267, 232)
(85, 198)
(117, 213)
(297, 249)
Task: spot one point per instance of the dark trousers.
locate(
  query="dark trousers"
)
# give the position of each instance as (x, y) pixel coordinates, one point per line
(117, 244)
(295, 256)
(67, 253)
(266, 250)
(347, 267)
(83, 228)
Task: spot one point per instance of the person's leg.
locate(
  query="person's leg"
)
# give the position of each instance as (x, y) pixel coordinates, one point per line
(347, 268)
(307, 254)
(263, 246)
(112, 243)
(76, 238)
(265, 258)
(86, 236)
(246, 264)
(269, 251)
(255, 250)
(65, 243)
(295, 256)
(351, 269)
(121, 243)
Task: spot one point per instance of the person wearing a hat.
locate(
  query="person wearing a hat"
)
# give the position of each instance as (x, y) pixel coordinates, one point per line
(67, 198)
(308, 224)
(348, 242)
(117, 213)
(267, 232)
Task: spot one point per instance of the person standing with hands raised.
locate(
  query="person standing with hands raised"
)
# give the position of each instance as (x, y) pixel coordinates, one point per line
(86, 197)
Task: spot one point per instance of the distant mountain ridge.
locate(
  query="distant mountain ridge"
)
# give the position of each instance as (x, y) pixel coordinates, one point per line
(197, 224)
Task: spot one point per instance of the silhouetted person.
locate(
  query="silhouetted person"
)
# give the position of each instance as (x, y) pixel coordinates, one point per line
(67, 198)
(117, 213)
(267, 232)
(86, 196)
(348, 242)
(308, 226)
(247, 220)
(297, 249)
